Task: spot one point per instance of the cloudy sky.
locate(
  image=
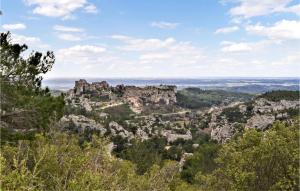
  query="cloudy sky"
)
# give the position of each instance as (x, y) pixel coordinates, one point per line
(160, 38)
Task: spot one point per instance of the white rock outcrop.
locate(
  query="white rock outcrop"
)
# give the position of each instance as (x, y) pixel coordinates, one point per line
(80, 123)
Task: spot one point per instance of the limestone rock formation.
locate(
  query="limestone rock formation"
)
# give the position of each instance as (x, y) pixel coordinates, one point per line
(141, 96)
(89, 95)
(171, 136)
(117, 129)
(261, 115)
(80, 123)
(260, 122)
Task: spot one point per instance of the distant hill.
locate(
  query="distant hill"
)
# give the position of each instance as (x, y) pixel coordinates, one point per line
(255, 89)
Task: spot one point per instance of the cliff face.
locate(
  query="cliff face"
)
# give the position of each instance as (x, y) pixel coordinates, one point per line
(259, 114)
(137, 97)
(82, 87)
(143, 96)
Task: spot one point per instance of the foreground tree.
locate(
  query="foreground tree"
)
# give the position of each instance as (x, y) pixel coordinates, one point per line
(202, 161)
(25, 106)
(258, 161)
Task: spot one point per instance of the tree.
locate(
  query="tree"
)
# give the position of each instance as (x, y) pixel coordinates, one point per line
(145, 153)
(25, 105)
(202, 161)
(258, 161)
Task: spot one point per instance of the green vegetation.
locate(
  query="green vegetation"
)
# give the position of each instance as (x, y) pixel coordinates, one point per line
(202, 161)
(153, 109)
(293, 113)
(195, 98)
(145, 154)
(57, 162)
(257, 161)
(281, 95)
(100, 98)
(118, 113)
(25, 106)
(233, 114)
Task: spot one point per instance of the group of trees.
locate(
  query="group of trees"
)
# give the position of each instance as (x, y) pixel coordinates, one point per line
(49, 159)
(280, 95)
(196, 98)
(57, 162)
(254, 161)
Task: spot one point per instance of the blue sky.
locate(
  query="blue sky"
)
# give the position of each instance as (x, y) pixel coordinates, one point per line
(160, 38)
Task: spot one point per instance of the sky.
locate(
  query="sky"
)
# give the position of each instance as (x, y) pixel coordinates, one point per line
(160, 38)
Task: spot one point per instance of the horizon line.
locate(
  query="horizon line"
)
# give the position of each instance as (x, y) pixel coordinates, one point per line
(203, 77)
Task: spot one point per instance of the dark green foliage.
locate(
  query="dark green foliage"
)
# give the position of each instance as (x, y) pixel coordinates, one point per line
(249, 109)
(12, 137)
(76, 111)
(100, 98)
(173, 153)
(195, 98)
(145, 153)
(25, 106)
(202, 161)
(258, 160)
(281, 95)
(233, 114)
(119, 113)
(201, 138)
(120, 145)
(293, 113)
(20, 71)
(159, 109)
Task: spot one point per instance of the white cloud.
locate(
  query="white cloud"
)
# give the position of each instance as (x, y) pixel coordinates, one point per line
(61, 8)
(235, 47)
(81, 60)
(69, 33)
(168, 57)
(142, 57)
(252, 8)
(293, 9)
(153, 57)
(61, 28)
(164, 25)
(82, 50)
(16, 26)
(91, 9)
(32, 42)
(285, 29)
(227, 30)
(69, 37)
(163, 51)
(139, 44)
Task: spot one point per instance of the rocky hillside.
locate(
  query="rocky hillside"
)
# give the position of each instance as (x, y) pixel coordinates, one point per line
(97, 94)
(125, 114)
(259, 113)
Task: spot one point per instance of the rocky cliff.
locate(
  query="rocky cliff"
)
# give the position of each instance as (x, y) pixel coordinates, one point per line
(87, 94)
(143, 96)
(259, 114)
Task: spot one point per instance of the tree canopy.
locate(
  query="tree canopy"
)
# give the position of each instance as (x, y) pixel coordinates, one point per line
(25, 105)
